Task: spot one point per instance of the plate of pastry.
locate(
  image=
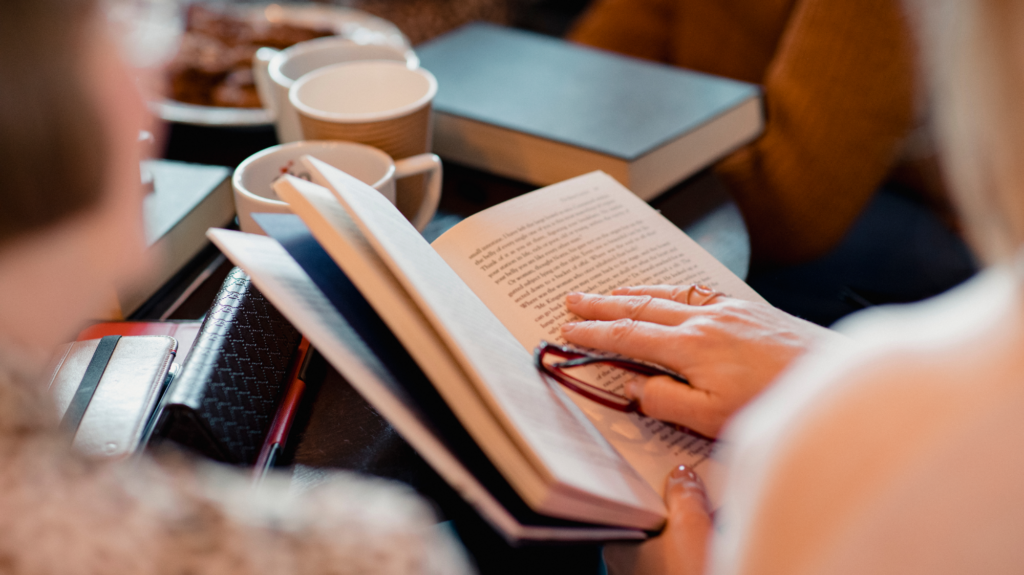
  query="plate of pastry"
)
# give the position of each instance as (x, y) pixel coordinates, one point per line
(210, 80)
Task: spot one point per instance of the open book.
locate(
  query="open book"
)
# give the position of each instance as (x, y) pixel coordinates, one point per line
(445, 351)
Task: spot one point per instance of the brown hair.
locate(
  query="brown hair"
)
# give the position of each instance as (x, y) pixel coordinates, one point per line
(52, 152)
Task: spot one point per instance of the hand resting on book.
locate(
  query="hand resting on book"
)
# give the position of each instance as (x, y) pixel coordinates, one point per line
(729, 349)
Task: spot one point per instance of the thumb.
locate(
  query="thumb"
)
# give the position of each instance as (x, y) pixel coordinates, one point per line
(681, 548)
(686, 496)
(689, 519)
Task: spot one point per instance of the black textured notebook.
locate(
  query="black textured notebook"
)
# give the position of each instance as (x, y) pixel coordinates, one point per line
(224, 400)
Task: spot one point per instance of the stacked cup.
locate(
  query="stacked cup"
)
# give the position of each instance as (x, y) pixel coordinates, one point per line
(379, 103)
(337, 89)
(276, 71)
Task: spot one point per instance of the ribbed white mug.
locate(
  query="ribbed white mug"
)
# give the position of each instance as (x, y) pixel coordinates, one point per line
(275, 71)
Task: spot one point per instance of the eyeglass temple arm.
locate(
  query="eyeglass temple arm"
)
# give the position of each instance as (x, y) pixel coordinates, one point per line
(641, 368)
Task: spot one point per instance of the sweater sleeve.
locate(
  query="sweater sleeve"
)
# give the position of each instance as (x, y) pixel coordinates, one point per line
(839, 98)
(63, 513)
(640, 28)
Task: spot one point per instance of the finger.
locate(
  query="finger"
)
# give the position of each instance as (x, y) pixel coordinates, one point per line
(689, 512)
(641, 308)
(637, 339)
(664, 398)
(676, 293)
(682, 548)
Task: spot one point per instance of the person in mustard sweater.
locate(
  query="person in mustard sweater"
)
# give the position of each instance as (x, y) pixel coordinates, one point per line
(842, 123)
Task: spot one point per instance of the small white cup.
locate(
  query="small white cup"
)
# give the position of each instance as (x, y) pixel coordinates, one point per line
(381, 104)
(276, 70)
(253, 177)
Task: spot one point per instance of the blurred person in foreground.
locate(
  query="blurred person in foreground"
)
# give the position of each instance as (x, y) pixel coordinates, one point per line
(841, 196)
(70, 226)
(899, 450)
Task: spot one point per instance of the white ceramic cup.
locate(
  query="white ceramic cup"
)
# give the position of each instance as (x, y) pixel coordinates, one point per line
(275, 71)
(382, 104)
(378, 103)
(253, 177)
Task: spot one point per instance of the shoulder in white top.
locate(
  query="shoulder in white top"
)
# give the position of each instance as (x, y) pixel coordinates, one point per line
(902, 452)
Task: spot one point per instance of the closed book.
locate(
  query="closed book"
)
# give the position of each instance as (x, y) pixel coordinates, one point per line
(187, 199)
(542, 110)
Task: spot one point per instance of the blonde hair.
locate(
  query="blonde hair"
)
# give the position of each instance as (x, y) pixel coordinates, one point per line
(973, 51)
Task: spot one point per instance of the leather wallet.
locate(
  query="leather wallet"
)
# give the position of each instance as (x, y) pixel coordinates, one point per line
(107, 390)
(225, 398)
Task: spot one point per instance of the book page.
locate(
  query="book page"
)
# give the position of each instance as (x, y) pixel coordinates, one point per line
(584, 469)
(588, 234)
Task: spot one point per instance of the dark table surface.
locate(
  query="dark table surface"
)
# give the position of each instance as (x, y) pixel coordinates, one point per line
(336, 428)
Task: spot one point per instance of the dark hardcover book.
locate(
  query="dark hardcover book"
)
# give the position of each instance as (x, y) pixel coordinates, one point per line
(542, 110)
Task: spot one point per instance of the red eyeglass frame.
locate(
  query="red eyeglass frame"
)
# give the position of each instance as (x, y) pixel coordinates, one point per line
(579, 358)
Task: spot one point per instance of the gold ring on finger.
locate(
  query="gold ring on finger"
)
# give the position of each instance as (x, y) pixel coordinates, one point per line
(704, 294)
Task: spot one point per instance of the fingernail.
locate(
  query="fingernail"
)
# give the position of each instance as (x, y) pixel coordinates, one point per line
(619, 291)
(684, 481)
(682, 474)
(574, 297)
(567, 327)
(635, 389)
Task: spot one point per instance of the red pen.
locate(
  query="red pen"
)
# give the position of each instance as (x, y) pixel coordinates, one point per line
(278, 434)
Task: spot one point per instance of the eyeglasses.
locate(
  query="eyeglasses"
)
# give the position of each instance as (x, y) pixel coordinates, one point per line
(555, 361)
